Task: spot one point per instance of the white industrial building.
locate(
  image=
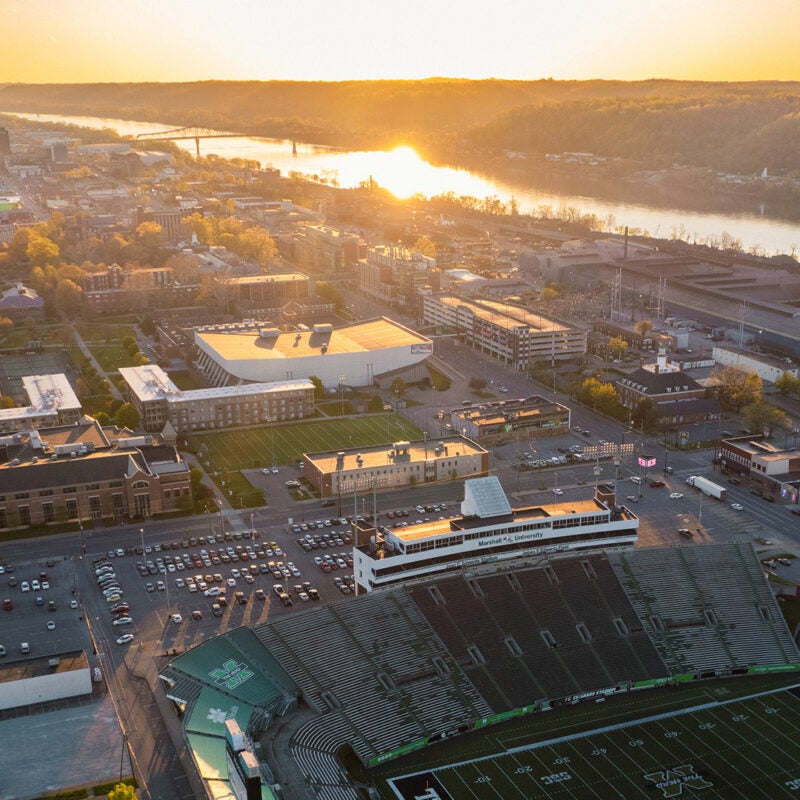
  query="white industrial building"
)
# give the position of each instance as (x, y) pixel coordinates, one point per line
(52, 401)
(353, 355)
(489, 530)
(42, 679)
(766, 367)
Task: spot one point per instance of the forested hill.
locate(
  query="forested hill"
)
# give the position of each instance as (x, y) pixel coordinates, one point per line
(740, 127)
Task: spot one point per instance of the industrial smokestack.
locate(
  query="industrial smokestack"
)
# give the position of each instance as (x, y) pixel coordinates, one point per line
(625, 253)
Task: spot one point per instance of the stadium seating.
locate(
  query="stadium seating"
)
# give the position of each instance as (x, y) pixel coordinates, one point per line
(713, 612)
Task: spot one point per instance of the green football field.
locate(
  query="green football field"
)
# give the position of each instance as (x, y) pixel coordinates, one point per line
(738, 749)
(246, 449)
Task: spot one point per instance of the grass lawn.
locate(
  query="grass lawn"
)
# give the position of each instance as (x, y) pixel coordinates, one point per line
(247, 449)
(238, 490)
(111, 357)
(103, 331)
(183, 381)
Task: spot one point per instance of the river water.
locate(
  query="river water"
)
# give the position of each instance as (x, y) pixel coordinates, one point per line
(404, 173)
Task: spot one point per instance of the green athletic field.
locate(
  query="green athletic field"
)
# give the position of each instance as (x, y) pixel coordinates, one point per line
(244, 449)
(738, 749)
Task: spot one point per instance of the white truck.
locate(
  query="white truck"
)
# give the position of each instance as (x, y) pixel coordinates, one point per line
(707, 487)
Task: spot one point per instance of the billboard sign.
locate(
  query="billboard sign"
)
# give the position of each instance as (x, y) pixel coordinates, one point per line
(647, 461)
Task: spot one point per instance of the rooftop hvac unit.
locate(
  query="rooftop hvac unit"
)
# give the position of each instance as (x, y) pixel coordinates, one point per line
(269, 333)
(323, 327)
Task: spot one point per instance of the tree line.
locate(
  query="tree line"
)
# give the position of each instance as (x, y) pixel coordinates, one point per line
(738, 127)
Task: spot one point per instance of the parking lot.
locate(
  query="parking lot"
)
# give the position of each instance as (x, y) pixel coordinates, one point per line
(45, 611)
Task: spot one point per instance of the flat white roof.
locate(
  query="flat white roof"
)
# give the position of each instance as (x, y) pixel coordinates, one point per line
(47, 392)
(367, 336)
(149, 382)
(221, 392)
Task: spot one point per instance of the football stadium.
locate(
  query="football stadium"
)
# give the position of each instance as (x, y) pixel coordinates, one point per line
(659, 672)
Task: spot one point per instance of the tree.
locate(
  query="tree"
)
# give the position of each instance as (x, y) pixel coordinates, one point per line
(330, 293)
(425, 246)
(122, 791)
(643, 327)
(398, 387)
(127, 417)
(601, 396)
(547, 294)
(102, 418)
(477, 384)
(787, 384)
(375, 404)
(68, 297)
(257, 245)
(644, 414)
(736, 388)
(319, 390)
(147, 326)
(150, 235)
(617, 346)
(41, 251)
(765, 417)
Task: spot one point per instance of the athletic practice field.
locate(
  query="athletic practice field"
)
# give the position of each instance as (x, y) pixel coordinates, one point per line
(285, 444)
(741, 749)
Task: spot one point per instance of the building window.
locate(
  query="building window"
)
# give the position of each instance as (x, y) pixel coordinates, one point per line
(72, 508)
(94, 507)
(46, 493)
(48, 513)
(25, 515)
(22, 496)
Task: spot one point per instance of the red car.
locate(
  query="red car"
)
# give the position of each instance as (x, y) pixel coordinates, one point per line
(8, 605)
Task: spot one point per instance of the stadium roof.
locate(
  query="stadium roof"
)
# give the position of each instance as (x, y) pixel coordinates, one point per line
(236, 664)
(375, 334)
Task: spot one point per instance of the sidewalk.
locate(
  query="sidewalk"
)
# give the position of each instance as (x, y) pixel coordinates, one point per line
(115, 393)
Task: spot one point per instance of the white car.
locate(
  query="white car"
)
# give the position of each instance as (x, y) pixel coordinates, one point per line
(558, 491)
(122, 621)
(177, 619)
(213, 591)
(51, 626)
(126, 638)
(36, 586)
(676, 495)
(275, 471)
(180, 583)
(24, 586)
(737, 506)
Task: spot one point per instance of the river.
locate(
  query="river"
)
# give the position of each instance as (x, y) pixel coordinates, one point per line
(404, 173)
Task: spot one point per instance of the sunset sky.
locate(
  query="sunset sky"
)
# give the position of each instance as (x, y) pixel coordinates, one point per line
(183, 40)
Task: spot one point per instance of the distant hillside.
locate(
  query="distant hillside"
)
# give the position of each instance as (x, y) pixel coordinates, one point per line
(740, 127)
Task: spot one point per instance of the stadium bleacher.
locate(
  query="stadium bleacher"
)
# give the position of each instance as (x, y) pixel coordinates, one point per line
(415, 663)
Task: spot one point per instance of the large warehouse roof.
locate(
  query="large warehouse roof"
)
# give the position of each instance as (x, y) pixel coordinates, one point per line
(365, 336)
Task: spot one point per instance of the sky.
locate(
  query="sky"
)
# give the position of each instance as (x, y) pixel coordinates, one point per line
(76, 41)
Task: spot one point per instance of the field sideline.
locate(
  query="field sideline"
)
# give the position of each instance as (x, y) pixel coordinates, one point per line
(286, 443)
(731, 749)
